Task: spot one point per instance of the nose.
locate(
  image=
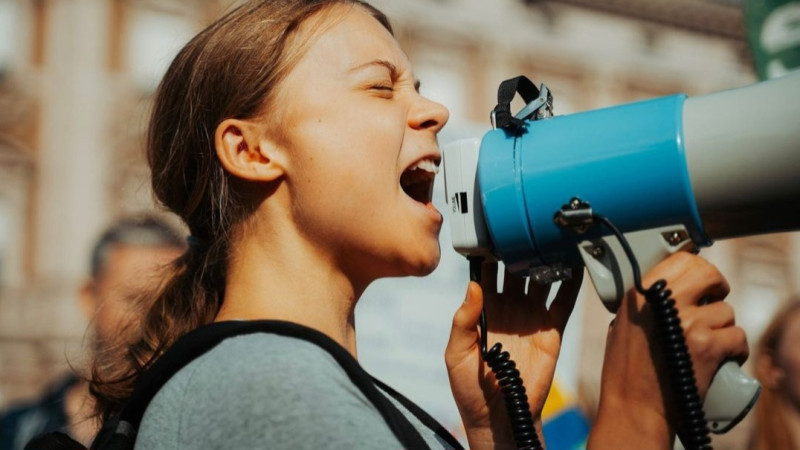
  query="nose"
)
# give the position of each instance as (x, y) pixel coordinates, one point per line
(428, 115)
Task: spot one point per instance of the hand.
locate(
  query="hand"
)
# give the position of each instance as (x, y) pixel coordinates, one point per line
(528, 331)
(635, 409)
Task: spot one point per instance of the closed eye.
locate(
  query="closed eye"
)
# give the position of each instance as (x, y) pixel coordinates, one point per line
(385, 90)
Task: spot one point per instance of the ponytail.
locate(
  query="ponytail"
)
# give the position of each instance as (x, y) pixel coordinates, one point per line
(190, 297)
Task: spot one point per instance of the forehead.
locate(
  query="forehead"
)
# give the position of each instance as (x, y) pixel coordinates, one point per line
(345, 36)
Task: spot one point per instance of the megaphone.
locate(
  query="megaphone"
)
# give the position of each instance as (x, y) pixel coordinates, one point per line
(671, 173)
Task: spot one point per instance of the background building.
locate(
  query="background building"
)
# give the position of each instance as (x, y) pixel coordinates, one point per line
(77, 78)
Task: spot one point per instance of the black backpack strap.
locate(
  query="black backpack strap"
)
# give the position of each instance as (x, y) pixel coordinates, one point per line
(203, 339)
(55, 440)
(420, 414)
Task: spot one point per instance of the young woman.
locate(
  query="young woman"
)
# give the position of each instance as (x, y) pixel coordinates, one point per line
(777, 413)
(291, 138)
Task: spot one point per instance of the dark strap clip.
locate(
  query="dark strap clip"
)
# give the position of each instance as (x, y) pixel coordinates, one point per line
(538, 103)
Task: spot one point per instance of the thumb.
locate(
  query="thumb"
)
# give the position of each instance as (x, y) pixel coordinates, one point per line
(464, 334)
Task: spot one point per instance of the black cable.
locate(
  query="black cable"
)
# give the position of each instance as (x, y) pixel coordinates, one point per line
(693, 431)
(508, 377)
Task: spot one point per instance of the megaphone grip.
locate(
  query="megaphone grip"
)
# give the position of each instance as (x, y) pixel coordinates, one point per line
(693, 431)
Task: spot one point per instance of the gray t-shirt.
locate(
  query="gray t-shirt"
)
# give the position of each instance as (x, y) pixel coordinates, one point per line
(267, 391)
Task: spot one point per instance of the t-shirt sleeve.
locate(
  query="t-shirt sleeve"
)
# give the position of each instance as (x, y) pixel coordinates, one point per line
(263, 391)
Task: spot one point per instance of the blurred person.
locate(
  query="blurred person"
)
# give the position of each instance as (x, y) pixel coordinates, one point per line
(777, 366)
(124, 263)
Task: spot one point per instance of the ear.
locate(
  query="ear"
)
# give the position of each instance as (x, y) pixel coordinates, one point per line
(768, 372)
(87, 299)
(245, 152)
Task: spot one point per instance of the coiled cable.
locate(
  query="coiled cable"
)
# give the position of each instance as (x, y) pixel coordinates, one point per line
(693, 430)
(508, 377)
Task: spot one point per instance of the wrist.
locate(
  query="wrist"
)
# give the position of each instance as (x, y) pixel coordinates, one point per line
(488, 439)
(626, 424)
(493, 439)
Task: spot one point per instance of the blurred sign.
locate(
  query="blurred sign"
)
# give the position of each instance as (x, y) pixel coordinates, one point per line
(773, 31)
(564, 425)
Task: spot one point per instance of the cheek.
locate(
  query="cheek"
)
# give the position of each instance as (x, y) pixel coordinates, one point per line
(792, 364)
(352, 160)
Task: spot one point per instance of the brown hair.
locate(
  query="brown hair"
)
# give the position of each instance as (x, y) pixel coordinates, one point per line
(227, 71)
(771, 430)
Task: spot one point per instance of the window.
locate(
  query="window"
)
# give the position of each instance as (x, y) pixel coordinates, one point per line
(15, 171)
(4, 232)
(765, 281)
(154, 38)
(8, 34)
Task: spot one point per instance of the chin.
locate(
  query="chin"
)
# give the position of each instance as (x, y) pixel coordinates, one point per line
(425, 264)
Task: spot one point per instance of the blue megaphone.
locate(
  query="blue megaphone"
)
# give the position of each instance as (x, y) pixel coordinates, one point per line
(672, 173)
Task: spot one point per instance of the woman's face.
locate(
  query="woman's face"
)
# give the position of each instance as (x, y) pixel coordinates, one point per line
(355, 127)
(788, 359)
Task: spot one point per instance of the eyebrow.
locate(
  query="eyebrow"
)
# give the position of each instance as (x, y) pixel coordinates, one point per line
(385, 63)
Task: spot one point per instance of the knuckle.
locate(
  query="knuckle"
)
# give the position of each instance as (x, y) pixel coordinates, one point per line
(725, 287)
(688, 322)
(726, 311)
(684, 258)
(699, 343)
(458, 320)
(739, 348)
(740, 337)
(449, 358)
(715, 278)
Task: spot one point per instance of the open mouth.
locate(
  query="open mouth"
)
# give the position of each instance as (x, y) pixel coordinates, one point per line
(417, 180)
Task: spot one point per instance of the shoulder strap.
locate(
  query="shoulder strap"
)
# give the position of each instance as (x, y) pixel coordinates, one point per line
(420, 413)
(194, 344)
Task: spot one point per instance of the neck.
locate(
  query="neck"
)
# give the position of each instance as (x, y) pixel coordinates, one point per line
(78, 407)
(278, 275)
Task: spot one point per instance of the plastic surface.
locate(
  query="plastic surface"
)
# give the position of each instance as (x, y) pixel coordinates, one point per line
(730, 397)
(743, 153)
(462, 194)
(609, 267)
(627, 162)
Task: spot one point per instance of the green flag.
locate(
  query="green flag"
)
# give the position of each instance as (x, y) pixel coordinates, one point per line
(773, 32)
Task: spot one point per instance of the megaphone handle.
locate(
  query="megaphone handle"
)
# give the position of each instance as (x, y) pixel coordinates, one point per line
(732, 393)
(730, 397)
(610, 269)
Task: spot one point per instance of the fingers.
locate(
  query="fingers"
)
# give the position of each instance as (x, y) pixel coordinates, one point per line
(702, 283)
(669, 269)
(711, 334)
(564, 303)
(715, 315)
(710, 348)
(464, 333)
(734, 344)
(692, 279)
